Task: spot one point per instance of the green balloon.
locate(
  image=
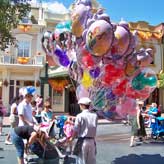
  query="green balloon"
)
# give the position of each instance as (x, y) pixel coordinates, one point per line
(137, 82)
(150, 81)
(65, 26)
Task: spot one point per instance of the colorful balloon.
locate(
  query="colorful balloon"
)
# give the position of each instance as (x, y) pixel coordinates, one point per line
(79, 17)
(122, 40)
(99, 37)
(94, 73)
(64, 61)
(86, 80)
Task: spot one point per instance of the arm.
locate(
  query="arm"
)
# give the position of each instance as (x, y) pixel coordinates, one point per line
(138, 118)
(13, 109)
(76, 128)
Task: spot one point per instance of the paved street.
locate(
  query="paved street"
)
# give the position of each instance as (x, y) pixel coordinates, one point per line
(112, 148)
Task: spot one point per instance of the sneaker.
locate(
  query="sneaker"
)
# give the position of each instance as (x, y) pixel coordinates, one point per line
(8, 143)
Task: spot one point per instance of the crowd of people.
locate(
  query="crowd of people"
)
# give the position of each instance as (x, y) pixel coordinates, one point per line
(143, 120)
(32, 118)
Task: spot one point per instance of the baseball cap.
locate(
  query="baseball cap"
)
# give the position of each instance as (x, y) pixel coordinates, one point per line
(84, 100)
(29, 90)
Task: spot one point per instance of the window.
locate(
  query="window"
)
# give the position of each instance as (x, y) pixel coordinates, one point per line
(57, 98)
(23, 49)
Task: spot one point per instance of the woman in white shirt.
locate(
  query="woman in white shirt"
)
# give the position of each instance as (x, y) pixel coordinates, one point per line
(14, 119)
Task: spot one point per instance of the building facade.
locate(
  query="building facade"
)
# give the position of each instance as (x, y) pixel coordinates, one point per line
(27, 64)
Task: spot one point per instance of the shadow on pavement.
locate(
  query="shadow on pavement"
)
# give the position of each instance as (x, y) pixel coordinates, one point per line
(1, 149)
(139, 159)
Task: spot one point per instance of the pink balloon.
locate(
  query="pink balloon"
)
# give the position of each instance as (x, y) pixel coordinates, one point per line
(126, 106)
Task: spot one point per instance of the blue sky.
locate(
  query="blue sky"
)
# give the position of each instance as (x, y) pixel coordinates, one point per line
(129, 10)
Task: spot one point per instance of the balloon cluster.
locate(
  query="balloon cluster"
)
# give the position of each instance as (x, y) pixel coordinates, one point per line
(102, 58)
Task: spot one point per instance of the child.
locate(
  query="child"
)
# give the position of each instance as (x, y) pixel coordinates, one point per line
(47, 115)
(68, 131)
(60, 124)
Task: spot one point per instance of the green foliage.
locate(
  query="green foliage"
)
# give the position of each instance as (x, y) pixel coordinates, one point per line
(161, 80)
(10, 15)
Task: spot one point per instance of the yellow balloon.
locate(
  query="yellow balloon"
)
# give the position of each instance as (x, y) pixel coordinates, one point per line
(86, 80)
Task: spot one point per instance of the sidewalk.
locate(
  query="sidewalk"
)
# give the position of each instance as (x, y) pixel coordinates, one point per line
(6, 121)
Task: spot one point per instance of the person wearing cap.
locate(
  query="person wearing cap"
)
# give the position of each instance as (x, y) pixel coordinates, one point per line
(25, 108)
(35, 140)
(85, 130)
(138, 128)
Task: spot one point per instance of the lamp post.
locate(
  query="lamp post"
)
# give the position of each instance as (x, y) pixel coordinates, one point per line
(44, 79)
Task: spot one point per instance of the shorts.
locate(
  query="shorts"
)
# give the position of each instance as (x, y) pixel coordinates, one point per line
(18, 143)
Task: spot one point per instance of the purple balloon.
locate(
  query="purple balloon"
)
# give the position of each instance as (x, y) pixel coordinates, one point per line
(58, 52)
(110, 95)
(94, 73)
(64, 61)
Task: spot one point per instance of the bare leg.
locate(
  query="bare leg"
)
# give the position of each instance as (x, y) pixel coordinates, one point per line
(0, 128)
(20, 160)
(8, 137)
(132, 141)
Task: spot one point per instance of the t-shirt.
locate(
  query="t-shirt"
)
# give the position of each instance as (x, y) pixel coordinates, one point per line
(25, 109)
(24, 131)
(153, 110)
(46, 116)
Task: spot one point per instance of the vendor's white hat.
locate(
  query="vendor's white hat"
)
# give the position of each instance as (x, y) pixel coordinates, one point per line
(84, 100)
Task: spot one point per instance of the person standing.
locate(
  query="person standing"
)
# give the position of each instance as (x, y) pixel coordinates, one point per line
(25, 108)
(2, 113)
(138, 128)
(85, 130)
(14, 119)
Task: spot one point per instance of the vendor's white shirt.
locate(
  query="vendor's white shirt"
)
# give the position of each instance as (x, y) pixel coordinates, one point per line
(86, 124)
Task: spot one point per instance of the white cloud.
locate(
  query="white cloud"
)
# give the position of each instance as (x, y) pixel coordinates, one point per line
(55, 7)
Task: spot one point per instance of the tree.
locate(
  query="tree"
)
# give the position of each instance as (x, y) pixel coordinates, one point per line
(11, 12)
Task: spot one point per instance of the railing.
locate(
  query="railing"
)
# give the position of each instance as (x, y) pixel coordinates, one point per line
(36, 60)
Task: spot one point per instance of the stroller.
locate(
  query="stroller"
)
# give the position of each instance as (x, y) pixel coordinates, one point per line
(51, 153)
(157, 126)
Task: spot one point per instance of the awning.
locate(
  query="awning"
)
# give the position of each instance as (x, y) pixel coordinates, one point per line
(58, 72)
(58, 85)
